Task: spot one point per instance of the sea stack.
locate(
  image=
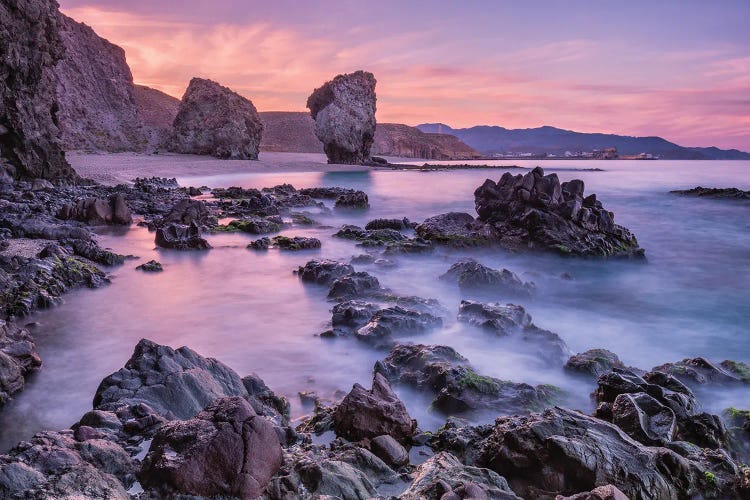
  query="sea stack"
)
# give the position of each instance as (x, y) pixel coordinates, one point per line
(214, 120)
(344, 114)
(29, 44)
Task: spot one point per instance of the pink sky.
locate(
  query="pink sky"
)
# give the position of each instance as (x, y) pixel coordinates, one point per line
(683, 74)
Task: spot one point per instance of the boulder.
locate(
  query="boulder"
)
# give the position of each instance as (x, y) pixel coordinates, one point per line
(456, 229)
(563, 452)
(227, 449)
(213, 120)
(354, 285)
(187, 211)
(30, 45)
(473, 277)
(367, 414)
(396, 320)
(536, 211)
(444, 477)
(396, 224)
(594, 362)
(323, 272)
(352, 199)
(389, 450)
(180, 237)
(344, 114)
(96, 211)
(151, 266)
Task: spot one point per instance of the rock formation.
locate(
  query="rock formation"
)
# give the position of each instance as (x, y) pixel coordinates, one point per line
(213, 120)
(94, 86)
(344, 114)
(30, 44)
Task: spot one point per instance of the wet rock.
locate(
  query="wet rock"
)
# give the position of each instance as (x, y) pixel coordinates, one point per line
(225, 450)
(471, 276)
(457, 387)
(455, 229)
(700, 371)
(351, 315)
(94, 253)
(96, 212)
(395, 224)
(354, 285)
(607, 492)
(509, 320)
(393, 321)
(344, 114)
(18, 359)
(215, 121)
(375, 237)
(151, 266)
(594, 362)
(259, 244)
(536, 211)
(295, 243)
(353, 199)
(738, 433)
(644, 419)
(325, 193)
(187, 211)
(718, 193)
(389, 450)
(577, 452)
(252, 225)
(155, 184)
(30, 45)
(444, 477)
(369, 414)
(180, 237)
(323, 272)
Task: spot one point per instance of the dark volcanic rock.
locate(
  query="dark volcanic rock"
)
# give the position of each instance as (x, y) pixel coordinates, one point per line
(396, 224)
(18, 359)
(179, 237)
(30, 44)
(594, 362)
(95, 211)
(368, 414)
(225, 450)
(577, 452)
(719, 193)
(510, 320)
(470, 276)
(396, 320)
(187, 211)
(535, 211)
(215, 121)
(295, 243)
(700, 371)
(151, 266)
(353, 199)
(389, 450)
(441, 371)
(456, 229)
(252, 225)
(344, 114)
(644, 418)
(323, 272)
(354, 285)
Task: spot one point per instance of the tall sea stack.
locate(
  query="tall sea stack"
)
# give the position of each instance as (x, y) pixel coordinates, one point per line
(29, 43)
(344, 114)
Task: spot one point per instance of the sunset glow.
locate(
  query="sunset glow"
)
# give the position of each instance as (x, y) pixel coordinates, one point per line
(683, 74)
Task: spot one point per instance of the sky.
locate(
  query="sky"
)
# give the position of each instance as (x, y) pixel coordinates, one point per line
(679, 69)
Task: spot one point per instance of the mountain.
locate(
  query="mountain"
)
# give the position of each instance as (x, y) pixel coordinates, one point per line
(543, 140)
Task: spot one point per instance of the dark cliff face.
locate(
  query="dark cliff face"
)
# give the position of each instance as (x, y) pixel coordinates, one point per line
(94, 85)
(29, 44)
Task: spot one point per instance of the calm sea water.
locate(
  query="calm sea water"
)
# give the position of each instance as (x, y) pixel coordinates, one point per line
(248, 310)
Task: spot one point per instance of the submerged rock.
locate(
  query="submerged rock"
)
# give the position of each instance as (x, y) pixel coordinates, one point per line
(719, 193)
(215, 121)
(252, 225)
(225, 450)
(594, 362)
(369, 414)
(536, 211)
(354, 285)
(471, 276)
(180, 237)
(295, 243)
(344, 114)
(396, 320)
(396, 224)
(323, 272)
(151, 266)
(456, 229)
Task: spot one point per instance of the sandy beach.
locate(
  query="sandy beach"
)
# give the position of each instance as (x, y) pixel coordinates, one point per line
(117, 168)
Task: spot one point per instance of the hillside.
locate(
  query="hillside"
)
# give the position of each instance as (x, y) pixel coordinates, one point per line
(543, 140)
(289, 131)
(156, 111)
(395, 139)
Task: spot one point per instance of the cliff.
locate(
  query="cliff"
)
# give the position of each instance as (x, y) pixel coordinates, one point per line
(289, 131)
(157, 112)
(394, 139)
(94, 86)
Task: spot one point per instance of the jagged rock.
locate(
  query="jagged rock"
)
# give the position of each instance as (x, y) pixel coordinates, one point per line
(607, 492)
(95, 211)
(180, 237)
(353, 199)
(700, 371)
(215, 121)
(187, 211)
(94, 88)
(295, 243)
(457, 229)
(719, 193)
(444, 477)
(369, 414)
(535, 211)
(344, 114)
(510, 320)
(18, 359)
(151, 266)
(323, 272)
(352, 315)
(225, 450)
(252, 225)
(396, 320)
(644, 418)
(576, 452)
(30, 44)
(354, 285)
(442, 371)
(369, 237)
(259, 244)
(594, 362)
(471, 276)
(395, 224)
(155, 184)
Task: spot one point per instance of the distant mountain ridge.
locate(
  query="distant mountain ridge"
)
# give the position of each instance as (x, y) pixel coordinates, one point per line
(491, 140)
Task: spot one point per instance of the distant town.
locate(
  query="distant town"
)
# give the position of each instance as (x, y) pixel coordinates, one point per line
(594, 154)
